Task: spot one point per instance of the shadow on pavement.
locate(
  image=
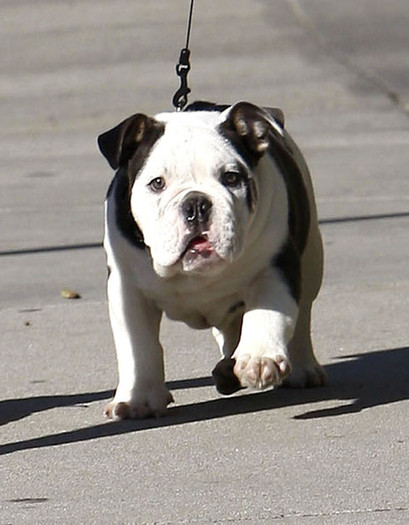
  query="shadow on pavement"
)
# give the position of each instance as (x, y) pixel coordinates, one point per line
(368, 380)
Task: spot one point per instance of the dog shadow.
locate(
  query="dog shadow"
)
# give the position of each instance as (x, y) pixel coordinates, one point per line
(362, 381)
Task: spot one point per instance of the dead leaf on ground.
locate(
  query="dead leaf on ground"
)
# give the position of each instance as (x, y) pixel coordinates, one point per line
(70, 294)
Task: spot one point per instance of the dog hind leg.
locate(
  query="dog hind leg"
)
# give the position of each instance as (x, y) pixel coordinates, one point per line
(306, 371)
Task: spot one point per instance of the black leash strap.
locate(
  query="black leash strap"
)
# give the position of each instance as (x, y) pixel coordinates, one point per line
(183, 67)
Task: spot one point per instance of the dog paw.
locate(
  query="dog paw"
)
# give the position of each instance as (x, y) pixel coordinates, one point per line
(261, 372)
(306, 376)
(141, 405)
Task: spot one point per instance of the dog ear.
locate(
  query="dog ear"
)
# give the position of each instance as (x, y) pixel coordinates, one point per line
(277, 115)
(120, 143)
(253, 126)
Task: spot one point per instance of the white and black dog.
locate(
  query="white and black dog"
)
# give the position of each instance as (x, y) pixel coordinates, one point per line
(211, 219)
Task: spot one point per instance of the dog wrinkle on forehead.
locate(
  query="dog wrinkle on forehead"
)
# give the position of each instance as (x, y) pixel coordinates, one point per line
(190, 150)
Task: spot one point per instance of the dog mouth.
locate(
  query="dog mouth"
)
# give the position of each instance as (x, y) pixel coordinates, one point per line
(199, 255)
(198, 251)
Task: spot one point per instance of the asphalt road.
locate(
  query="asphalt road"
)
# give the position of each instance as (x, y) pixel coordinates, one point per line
(336, 455)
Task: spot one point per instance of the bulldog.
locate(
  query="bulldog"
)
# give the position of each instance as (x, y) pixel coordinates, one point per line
(210, 219)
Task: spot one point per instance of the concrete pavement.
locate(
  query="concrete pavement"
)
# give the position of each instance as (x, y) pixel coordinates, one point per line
(337, 455)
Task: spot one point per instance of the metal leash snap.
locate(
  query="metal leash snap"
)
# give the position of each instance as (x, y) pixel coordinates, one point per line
(182, 70)
(183, 67)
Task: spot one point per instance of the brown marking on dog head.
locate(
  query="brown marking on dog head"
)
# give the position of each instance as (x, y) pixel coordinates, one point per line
(248, 127)
(119, 144)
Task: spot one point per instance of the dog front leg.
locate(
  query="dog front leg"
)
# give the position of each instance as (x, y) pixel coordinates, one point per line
(261, 357)
(135, 325)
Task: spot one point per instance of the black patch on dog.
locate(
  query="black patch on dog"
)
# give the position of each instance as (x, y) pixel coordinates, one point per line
(120, 191)
(119, 144)
(251, 193)
(237, 306)
(248, 128)
(133, 156)
(298, 203)
(224, 379)
(152, 134)
(239, 145)
(203, 105)
(288, 261)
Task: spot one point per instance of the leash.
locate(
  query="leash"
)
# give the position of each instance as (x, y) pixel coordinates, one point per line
(183, 67)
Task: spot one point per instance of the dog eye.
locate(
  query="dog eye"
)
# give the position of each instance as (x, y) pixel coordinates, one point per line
(157, 184)
(231, 179)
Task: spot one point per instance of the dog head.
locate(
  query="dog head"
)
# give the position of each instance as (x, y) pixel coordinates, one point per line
(193, 181)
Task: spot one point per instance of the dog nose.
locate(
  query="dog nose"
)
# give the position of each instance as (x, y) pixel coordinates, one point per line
(196, 209)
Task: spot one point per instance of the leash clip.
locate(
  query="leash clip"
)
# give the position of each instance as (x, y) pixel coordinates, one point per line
(182, 69)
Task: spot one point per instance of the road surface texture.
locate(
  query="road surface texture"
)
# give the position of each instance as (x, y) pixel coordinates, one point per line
(336, 455)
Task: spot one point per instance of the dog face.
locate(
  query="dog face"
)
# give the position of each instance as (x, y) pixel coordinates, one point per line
(190, 199)
(193, 192)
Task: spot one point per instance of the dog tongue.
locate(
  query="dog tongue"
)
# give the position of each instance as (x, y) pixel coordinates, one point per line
(201, 246)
